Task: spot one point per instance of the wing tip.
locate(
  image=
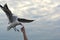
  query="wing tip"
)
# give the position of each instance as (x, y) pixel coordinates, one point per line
(1, 6)
(32, 20)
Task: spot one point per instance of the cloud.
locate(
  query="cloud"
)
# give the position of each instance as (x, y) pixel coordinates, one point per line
(46, 14)
(33, 9)
(53, 17)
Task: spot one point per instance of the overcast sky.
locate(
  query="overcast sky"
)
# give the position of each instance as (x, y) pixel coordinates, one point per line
(46, 14)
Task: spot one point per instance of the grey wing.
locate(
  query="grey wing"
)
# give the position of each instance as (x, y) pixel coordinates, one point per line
(7, 12)
(25, 20)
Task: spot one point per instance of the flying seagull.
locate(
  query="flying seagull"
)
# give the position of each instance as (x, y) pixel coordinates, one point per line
(13, 20)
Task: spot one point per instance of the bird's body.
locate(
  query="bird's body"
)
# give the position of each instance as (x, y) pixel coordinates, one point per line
(13, 20)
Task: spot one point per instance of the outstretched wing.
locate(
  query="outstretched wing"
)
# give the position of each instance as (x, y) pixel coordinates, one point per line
(7, 11)
(24, 20)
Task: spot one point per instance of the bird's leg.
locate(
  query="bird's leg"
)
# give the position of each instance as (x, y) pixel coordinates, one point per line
(21, 24)
(16, 29)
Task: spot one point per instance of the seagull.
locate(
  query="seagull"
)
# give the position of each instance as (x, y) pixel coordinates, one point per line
(13, 20)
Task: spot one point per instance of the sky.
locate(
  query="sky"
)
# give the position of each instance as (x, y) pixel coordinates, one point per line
(45, 13)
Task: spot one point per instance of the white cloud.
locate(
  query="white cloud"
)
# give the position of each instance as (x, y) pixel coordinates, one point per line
(53, 17)
(33, 8)
(45, 12)
(41, 7)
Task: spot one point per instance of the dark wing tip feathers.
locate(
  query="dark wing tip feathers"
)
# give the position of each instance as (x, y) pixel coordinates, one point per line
(31, 20)
(25, 20)
(4, 5)
(1, 6)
